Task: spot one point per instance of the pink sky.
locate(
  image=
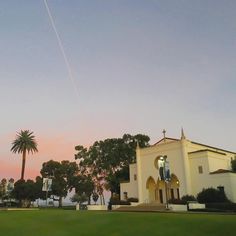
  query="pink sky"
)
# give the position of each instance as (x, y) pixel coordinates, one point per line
(139, 67)
(53, 147)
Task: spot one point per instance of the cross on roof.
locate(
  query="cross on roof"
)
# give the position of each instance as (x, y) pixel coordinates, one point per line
(164, 133)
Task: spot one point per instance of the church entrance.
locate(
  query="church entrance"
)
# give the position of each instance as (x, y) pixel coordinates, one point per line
(161, 190)
(174, 187)
(151, 186)
(158, 192)
(161, 196)
(169, 190)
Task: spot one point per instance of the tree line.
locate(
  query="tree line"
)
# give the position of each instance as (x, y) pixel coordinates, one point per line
(100, 167)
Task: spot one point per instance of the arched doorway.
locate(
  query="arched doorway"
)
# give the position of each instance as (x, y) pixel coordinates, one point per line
(174, 187)
(151, 186)
(161, 191)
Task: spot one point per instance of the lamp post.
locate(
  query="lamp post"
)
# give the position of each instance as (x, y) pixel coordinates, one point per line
(47, 186)
(47, 183)
(164, 172)
(166, 188)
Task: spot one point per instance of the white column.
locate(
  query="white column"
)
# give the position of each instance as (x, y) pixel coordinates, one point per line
(139, 174)
(188, 188)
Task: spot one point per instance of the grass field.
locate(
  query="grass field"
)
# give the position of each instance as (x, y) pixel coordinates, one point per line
(67, 222)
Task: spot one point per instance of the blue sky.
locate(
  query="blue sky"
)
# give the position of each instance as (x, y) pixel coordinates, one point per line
(139, 67)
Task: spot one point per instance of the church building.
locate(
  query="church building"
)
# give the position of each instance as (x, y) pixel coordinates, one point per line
(191, 166)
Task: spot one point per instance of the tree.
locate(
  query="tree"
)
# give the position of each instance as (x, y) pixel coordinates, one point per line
(10, 185)
(79, 198)
(113, 180)
(24, 142)
(3, 188)
(38, 188)
(25, 192)
(62, 174)
(108, 160)
(83, 185)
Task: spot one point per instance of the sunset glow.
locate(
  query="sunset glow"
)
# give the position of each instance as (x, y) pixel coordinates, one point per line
(139, 67)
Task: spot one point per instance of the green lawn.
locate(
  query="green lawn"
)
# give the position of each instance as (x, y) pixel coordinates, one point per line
(68, 222)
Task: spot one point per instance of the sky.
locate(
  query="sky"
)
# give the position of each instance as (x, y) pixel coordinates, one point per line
(137, 67)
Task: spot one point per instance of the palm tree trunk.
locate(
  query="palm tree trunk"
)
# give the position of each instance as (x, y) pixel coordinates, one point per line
(23, 164)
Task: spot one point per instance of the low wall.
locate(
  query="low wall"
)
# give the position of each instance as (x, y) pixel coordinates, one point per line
(134, 203)
(115, 206)
(190, 206)
(97, 207)
(175, 207)
(196, 206)
(93, 207)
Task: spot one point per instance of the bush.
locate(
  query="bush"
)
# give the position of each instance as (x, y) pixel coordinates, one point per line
(176, 201)
(184, 200)
(132, 199)
(69, 208)
(211, 195)
(226, 206)
(83, 207)
(188, 198)
(118, 202)
(114, 200)
(79, 198)
(123, 203)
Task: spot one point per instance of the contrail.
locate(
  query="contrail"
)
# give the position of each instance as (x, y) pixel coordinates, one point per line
(61, 48)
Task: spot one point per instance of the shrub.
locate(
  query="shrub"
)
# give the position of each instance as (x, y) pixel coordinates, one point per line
(132, 199)
(123, 203)
(118, 202)
(114, 200)
(69, 207)
(79, 198)
(188, 198)
(211, 195)
(183, 200)
(226, 206)
(176, 201)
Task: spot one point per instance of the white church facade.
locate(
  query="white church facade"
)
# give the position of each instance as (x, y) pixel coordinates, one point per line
(193, 166)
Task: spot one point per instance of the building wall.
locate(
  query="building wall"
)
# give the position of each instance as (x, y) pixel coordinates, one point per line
(218, 161)
(147, 168)
(227, 180)
(196, 147)
(199, 180)
(184, 158)
(210, 160)
(131, 187)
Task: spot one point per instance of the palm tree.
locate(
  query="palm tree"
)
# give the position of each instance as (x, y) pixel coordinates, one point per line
(24, 142)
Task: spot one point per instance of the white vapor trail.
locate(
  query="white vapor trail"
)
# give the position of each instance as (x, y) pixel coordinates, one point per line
(61, 48)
